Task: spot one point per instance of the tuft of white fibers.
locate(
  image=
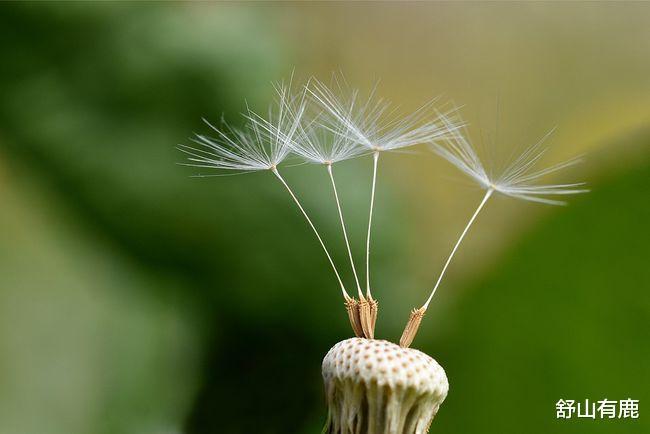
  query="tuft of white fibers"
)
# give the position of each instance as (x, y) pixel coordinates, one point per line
(262, 144)
(375, 123)
(323, 146)
(520, 179)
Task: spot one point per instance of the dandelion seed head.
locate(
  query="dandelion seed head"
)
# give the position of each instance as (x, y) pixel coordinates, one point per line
(519, 179)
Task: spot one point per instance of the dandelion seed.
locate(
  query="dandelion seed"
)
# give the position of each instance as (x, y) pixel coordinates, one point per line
(324, 146)
(375, 125)
(517, 180)
(261, 145)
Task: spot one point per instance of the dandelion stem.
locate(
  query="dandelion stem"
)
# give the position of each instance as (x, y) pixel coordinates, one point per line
(372, 204)
(327, 253)
(345, 233)
(462, 235)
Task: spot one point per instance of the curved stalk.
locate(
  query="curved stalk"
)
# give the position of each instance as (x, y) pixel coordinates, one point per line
(462, 235)
(372, 204)
(320, 240)
(345, 233)
(416, 316)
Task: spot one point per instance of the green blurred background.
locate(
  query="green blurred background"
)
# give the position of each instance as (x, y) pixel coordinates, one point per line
(136, 299)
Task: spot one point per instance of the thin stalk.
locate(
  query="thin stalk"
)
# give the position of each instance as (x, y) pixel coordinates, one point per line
(327, 253)
(375, 158)
(442, 273)
(345, 233)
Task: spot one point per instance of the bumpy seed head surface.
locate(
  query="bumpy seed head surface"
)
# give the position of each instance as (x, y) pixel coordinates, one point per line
(375, 386)
(386, 364)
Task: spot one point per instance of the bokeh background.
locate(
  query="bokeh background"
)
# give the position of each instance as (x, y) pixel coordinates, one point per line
(136, 299)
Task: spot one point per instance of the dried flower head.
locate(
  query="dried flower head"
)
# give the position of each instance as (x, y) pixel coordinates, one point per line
(372, 386)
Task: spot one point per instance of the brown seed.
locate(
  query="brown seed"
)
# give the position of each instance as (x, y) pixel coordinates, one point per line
(412, 327)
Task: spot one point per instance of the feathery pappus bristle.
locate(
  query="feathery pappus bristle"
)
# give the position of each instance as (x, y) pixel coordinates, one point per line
(519, 179)
(323, 146)
(375, 123)
(262, 144)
